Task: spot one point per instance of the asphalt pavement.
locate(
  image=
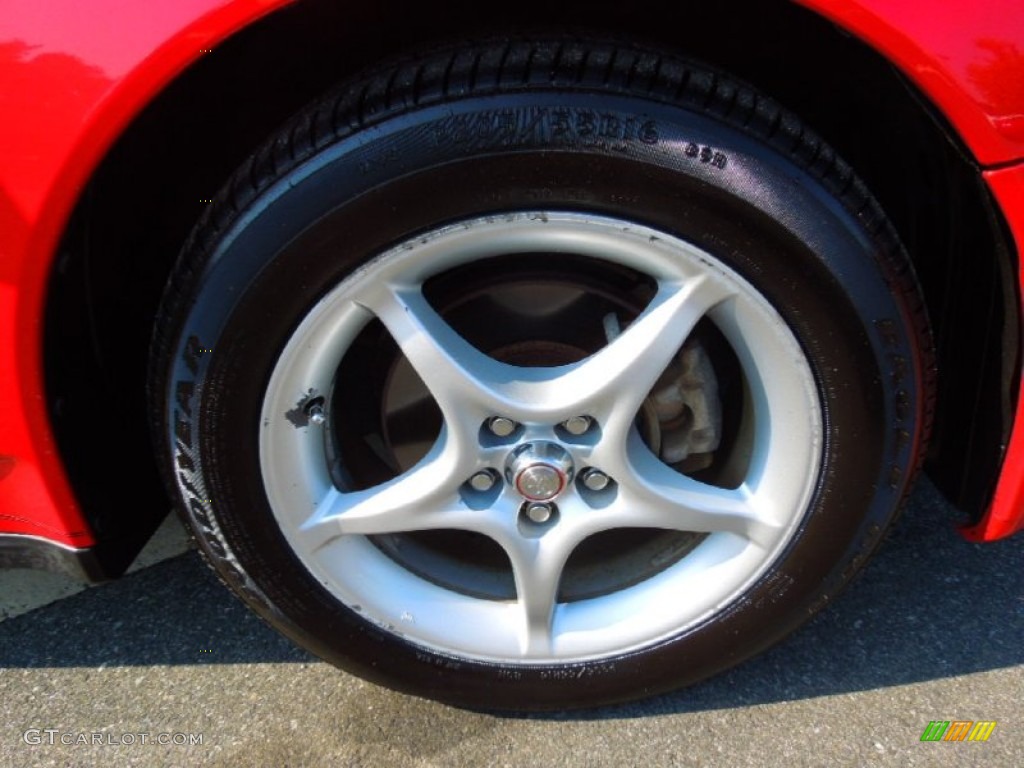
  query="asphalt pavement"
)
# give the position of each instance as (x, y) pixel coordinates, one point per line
(165, 667)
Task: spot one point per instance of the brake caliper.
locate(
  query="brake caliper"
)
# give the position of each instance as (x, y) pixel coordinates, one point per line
(681, 418)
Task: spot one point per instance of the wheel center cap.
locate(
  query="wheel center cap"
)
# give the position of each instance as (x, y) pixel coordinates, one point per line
(539, 471)
(540, 482)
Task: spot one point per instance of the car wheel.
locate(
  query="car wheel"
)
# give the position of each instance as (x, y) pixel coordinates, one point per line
(541, 374)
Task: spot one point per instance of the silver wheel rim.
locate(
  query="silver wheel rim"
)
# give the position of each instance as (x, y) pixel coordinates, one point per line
(745, 527)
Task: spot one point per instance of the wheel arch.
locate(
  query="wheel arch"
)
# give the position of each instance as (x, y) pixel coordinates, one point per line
(130, 220)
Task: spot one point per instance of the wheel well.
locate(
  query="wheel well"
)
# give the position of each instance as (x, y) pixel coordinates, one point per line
(141, 203)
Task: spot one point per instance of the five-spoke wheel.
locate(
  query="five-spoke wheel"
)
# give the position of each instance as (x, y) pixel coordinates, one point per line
(540, 459)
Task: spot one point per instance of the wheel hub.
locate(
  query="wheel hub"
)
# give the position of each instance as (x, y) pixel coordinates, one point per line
(539, 471)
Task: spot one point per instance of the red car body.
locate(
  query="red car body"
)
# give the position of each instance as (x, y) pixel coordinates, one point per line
(74, 78)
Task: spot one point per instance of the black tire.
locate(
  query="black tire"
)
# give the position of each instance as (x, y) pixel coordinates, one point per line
(572, 129)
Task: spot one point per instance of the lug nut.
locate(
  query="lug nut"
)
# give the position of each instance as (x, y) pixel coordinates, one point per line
(538, 512)
(501, 427)
(483, 480)
(576, 425)
(595, 479)
(316, 415)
